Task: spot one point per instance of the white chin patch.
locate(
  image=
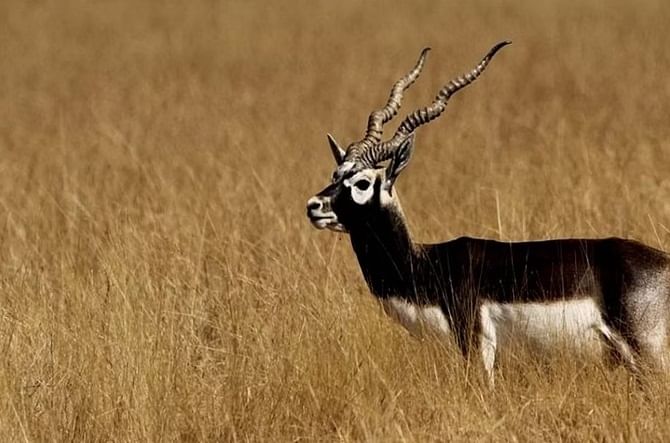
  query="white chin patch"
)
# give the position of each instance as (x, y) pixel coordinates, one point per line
(337, 227)
(328, 222)
(321, 223)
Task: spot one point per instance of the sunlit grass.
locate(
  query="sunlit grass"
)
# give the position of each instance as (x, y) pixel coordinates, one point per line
(159, 279)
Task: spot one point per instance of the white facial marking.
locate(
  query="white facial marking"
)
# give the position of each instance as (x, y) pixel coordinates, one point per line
(385, 197)
(361, 186)
(415, 318)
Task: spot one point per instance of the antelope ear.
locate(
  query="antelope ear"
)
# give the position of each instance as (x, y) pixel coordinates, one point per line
(338, 152)
(399, 160)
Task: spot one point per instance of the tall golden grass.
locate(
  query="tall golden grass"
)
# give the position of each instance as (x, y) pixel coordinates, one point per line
(159, 280)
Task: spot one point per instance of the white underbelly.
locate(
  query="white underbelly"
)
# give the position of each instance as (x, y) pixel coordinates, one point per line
(573, 323)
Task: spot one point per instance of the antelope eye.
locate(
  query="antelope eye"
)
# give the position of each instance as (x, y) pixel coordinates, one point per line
(362, 184)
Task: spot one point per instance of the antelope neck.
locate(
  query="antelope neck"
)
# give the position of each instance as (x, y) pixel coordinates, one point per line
(386, 253)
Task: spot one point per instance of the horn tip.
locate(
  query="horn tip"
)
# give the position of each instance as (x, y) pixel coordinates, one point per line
(502, 44)
(424, 52)
(498, 47)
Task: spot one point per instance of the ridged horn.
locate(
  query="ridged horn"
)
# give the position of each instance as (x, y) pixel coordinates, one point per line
(383, 151)
(379, 117)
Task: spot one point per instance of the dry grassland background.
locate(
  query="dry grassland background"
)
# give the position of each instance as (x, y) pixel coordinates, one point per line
(159, 280)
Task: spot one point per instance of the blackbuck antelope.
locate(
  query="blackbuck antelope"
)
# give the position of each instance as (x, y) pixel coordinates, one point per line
(612, 291)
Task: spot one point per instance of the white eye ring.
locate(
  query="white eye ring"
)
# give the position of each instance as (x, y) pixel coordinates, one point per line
(361, 191)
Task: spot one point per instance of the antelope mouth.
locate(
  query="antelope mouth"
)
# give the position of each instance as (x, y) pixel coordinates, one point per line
(326, 222)
(321, 221)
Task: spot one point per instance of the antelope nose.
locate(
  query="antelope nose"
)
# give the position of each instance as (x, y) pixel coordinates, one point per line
(313, 204)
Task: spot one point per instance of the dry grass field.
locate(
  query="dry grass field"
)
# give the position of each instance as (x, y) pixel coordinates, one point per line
(159, 280)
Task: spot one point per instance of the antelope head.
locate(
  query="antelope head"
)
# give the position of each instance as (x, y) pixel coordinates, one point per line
(361, 185)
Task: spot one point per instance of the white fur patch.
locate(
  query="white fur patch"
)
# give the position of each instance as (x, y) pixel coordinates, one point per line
(385, 196)
(417, 319)
(543, 325)
(361, 196)
(576, 324)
